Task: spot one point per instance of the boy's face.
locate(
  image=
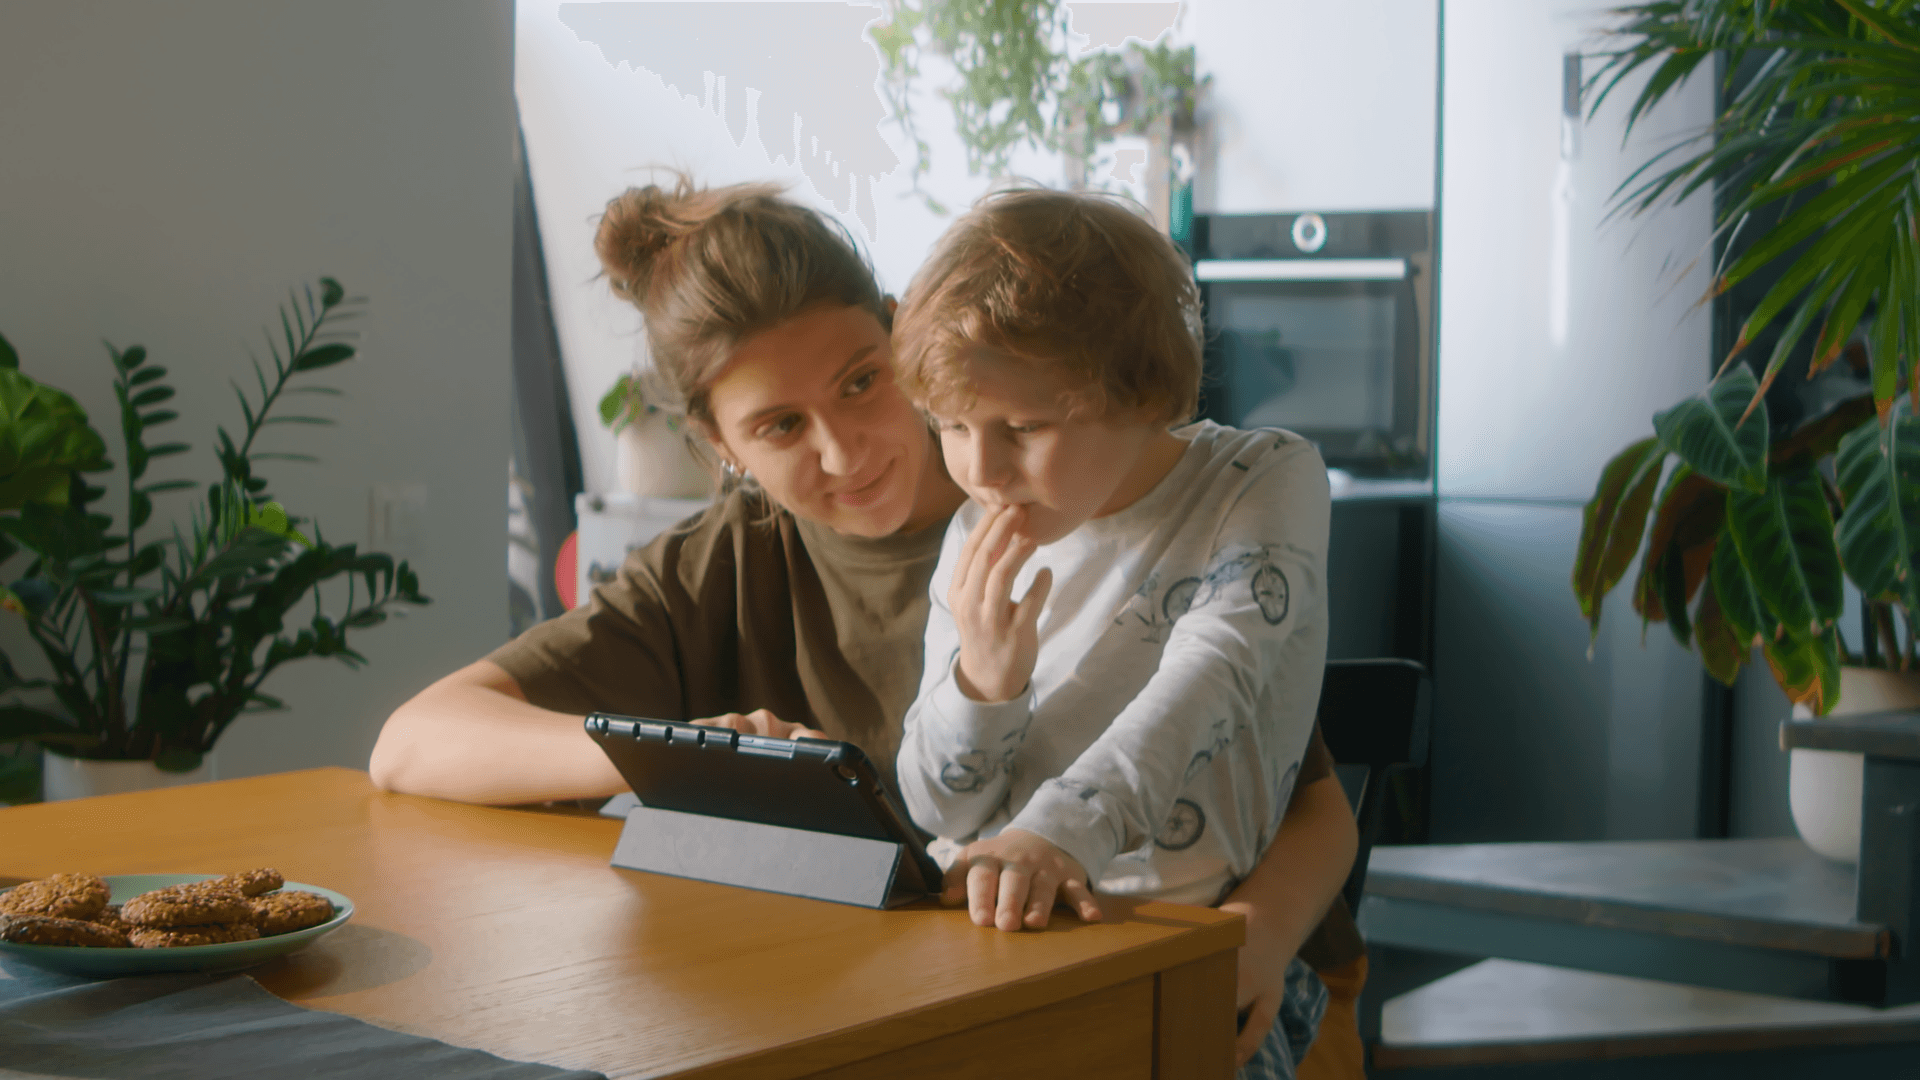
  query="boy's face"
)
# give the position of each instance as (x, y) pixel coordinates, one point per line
(1017, 443)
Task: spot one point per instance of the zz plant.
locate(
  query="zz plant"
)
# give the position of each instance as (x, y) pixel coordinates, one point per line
(1815, 165)
(159, 641)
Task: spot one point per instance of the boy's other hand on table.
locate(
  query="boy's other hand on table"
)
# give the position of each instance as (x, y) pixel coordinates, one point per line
(999, 639)
(1013, 879)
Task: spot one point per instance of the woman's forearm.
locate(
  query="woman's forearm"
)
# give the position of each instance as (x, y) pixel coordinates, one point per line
(473, 737)
(1295, 882)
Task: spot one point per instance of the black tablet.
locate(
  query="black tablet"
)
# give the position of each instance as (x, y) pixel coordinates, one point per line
(813, 784)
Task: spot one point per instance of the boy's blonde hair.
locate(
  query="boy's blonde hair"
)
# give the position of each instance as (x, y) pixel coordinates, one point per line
(1079, 285)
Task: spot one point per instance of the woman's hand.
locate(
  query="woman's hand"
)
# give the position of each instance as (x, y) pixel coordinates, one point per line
(1286, 896)
(1011, 880)
(1262, 983)
(999, 639)
(762, 722)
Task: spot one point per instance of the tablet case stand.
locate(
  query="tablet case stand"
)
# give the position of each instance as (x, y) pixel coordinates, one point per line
(772, 858)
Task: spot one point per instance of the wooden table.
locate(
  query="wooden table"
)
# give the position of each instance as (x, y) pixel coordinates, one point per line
(506, 930)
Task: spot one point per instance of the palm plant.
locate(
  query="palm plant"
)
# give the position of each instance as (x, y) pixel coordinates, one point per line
(1815, 165)
(201, 610)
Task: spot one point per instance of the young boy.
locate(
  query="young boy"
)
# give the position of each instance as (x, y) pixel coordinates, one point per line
(1128, 625)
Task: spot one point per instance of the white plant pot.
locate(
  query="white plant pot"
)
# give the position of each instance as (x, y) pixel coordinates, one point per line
(654, 461)
(1824, 786)
(63, 777)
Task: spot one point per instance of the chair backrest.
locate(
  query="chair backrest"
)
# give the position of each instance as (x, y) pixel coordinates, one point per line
(1374, 715)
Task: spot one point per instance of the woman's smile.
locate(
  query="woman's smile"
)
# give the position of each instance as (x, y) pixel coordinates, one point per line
(870, 492)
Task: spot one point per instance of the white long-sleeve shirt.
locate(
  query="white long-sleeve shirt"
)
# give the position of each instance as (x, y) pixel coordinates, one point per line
(1181, 652)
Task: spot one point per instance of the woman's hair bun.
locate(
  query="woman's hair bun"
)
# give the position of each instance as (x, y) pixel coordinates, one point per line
(642, 225)
(708, 268)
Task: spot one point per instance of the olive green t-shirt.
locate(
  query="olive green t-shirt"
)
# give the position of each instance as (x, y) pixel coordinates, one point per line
(747, 607)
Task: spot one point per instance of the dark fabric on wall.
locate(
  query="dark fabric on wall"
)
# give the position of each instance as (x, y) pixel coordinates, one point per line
(546, 452)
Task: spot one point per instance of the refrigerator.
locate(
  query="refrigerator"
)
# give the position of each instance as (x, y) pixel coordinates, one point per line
(1559, 334)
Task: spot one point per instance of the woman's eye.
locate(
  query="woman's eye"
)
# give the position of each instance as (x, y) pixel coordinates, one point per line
(861, 382)
(785, 425)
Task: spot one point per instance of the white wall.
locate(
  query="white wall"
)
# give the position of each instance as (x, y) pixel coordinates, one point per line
(169, 170)
(607, 91)
(1315, 106)
(1561, 333)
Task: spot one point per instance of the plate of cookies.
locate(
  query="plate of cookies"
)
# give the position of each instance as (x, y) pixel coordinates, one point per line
(141, 924)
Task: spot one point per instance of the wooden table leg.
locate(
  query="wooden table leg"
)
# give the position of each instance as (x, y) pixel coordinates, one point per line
(1194, 1019)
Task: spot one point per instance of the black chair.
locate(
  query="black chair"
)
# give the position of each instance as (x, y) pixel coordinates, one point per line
(1375, 716)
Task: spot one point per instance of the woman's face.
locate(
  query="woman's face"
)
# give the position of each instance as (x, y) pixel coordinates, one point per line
(810, 408)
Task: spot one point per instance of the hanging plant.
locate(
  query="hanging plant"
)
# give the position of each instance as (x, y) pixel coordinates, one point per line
(1019, 86)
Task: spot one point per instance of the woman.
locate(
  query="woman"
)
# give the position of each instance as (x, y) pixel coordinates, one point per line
(799, 600)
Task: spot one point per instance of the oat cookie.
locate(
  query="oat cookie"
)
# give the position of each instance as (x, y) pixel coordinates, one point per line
(62, 896)
(110, 917)
(176, 937)
(200, 903)
(285, 912)
(47, 930)
(254, 882)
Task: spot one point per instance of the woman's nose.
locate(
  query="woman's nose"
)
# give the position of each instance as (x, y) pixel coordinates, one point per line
(842, 448)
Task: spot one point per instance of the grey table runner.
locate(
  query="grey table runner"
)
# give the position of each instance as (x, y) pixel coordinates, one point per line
(209, 1027)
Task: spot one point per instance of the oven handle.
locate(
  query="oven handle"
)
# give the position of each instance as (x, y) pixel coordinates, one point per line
(1300, 269)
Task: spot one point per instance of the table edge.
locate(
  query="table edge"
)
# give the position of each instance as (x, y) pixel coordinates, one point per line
(851, 1045)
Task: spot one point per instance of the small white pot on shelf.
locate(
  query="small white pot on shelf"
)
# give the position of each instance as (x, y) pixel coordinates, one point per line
(63, 777)
(655, 462)
(1824, 786)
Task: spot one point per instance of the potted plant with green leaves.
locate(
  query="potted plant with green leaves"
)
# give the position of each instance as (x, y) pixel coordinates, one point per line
(655, 459)
(157, 640)
(1743, 533)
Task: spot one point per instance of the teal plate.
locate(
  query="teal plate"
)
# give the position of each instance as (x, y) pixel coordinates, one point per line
(110, 963)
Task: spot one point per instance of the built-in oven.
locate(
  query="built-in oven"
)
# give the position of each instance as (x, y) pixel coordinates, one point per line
(1323, 324)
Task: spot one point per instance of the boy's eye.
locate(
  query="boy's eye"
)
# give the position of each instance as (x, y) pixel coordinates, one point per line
(1025, 429)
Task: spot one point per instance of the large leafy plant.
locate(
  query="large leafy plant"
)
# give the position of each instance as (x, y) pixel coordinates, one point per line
(158, 642)
(1815, 167)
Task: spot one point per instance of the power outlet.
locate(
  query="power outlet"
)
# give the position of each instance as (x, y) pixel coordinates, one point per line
(397, 520)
